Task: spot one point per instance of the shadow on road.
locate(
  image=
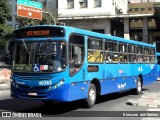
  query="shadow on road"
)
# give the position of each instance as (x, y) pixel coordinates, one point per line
(59, 108)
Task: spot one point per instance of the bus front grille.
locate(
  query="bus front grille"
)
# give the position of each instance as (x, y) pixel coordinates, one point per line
(42, 91)
(32, 77)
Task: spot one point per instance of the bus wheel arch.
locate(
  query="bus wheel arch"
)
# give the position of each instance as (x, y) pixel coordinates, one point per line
(96, 82)
(93, 91)
(139, 84)
(141, 78)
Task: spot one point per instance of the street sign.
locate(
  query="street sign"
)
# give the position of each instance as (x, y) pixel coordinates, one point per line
(29, 9)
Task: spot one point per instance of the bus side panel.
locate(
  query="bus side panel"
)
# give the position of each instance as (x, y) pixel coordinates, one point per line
(109, 83)
(117, 78)
(151, 76)
(79, 84)
(158, 72)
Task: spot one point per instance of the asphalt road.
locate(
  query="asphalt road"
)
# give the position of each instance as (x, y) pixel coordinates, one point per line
(75, 110)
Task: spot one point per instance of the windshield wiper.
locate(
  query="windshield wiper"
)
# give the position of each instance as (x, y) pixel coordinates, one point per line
(25, 46)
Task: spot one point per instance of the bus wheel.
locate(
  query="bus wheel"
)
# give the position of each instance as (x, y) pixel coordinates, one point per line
(91, 99)
(138, 89)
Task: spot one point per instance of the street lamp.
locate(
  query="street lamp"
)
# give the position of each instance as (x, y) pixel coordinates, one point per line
(51, 16)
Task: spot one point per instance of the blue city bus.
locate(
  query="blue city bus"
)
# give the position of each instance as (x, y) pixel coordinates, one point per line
(158, 65)
(61, 63)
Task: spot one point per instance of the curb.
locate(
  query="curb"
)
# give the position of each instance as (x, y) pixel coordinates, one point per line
(150, 100)
(4, 86)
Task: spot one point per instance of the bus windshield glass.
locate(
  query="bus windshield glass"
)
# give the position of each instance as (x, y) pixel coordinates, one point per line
(39, 56)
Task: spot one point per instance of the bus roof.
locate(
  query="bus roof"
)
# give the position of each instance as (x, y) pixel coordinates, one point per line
(92, 34)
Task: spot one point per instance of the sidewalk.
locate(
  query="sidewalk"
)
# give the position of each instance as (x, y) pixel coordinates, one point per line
(4, 79)
(4, 83)
(151, 100)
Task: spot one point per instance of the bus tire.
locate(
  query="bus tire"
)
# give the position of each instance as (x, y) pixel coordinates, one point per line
(138, 89)
(91, 98)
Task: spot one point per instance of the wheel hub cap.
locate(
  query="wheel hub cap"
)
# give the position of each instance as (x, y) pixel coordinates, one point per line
(92, 96)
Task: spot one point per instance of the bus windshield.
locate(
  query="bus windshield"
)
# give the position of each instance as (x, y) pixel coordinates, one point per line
(40, 56)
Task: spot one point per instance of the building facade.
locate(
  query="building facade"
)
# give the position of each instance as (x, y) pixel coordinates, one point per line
(75, 8)
(93, 14)
(146, 26)
(131, 19)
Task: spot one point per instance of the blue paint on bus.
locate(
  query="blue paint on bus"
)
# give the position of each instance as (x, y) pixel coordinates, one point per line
(64, 85)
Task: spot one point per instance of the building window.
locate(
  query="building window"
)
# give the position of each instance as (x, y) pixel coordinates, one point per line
(136, 9)
(83, 3)
(44, 3)
(149, 9)
(97, 3)
(98, 30)
(56, 3)
(70, 4)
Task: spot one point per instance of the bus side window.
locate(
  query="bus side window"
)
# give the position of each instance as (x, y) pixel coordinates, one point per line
(95, 50)
(123, 54)
(76, 53)
(108, 57)
(111, 51)
(132, 50)
(140, 54)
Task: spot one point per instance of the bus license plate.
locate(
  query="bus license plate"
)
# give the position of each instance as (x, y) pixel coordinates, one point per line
(32, 94)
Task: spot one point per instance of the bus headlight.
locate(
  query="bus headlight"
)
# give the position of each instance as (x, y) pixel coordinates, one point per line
(60, 83)
(11, 80)
(50, 87)
(16, 86)
(55, 86)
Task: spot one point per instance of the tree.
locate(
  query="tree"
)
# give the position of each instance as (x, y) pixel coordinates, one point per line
(4, 11)
(46, 19)
(5, 31)
(5, 34)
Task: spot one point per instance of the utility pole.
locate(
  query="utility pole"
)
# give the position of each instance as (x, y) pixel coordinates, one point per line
(51, 16)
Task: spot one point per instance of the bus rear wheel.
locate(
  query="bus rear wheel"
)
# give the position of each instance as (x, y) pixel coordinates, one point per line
(91, 98)
(138, 89)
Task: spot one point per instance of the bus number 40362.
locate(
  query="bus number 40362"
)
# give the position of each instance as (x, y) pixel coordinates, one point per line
(45, 83)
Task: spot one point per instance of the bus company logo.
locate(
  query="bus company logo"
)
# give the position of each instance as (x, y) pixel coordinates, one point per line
(121, 86)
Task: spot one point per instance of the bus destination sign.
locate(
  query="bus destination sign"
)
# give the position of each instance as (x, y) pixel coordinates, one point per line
(37, 33)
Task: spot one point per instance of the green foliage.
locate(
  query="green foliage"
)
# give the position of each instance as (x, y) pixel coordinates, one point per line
(5, 34)
(4, 11)
(5, 31)
(46, 19)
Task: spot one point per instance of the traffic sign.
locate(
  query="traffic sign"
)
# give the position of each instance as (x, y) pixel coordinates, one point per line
(30, 3)
(29, 9)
